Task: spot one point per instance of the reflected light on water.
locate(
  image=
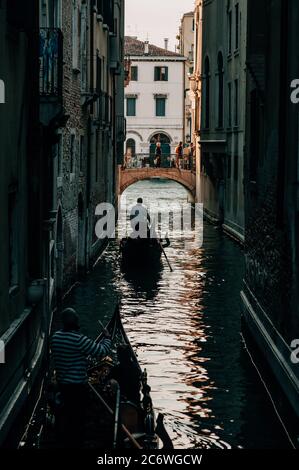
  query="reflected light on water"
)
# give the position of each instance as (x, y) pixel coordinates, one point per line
(185, 326)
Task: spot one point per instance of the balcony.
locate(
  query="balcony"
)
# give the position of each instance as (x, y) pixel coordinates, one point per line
(51, 73)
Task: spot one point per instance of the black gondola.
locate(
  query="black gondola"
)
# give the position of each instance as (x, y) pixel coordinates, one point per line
(117, 416)
(142, 251)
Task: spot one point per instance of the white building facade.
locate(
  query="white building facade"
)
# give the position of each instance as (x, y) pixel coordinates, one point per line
(186, 39)
(154, 99)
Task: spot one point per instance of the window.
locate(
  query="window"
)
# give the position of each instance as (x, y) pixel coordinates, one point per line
(131, 106)
(229, 105)
(76, 26)
(72, 153)
(161, 74)
(108, 14)
(83, 47)
(237, 26)
(131, 147)
(191, 53)
(230, 25)
(51, 13)
(236, 120)
(57, 14)
(134, 73)
(100, 7)
(207, 94)
(160, 106)
(220, 90)
(99, 75)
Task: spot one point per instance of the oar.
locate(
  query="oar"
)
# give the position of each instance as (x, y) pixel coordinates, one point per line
(159, 241)
(103, 327)
(170, 267)
(126, 431)
(117, 402)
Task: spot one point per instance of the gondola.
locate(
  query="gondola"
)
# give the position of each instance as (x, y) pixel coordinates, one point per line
(145, 252)
(120, 409)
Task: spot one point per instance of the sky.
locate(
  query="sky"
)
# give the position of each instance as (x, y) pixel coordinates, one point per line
(156, 19)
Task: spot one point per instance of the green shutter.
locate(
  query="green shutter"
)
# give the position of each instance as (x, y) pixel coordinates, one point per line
(160, 106)
(131, 106)
(157, 73)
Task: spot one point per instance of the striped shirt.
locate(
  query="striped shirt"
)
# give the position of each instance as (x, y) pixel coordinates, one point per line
(70, 350)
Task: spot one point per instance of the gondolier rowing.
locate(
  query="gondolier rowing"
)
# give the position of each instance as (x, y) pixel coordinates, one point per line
(70, 350)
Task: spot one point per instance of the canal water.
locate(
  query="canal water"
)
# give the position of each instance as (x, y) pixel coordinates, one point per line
(186, 329)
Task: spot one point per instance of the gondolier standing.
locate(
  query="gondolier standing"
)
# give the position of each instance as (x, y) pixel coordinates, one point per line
(70, 350)
(140, 221)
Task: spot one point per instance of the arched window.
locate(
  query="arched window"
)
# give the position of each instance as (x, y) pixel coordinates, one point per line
(220, 89)
(162, 138)
(207, 93)
(131, 147)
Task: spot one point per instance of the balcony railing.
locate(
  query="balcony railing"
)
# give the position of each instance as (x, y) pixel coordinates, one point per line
(51, 62)
(151, 161)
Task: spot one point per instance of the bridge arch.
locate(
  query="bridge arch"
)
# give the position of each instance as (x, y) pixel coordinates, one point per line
(127, 177)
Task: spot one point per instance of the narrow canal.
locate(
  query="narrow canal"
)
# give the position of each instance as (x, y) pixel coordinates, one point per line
(185, 326)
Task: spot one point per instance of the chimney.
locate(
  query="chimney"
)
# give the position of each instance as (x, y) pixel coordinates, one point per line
(166, 43)
(146, 47)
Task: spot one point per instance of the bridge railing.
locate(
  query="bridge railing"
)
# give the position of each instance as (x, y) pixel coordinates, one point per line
(144, 160)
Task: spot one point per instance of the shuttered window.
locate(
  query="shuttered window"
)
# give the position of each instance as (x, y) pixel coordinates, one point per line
(160, 106)
(131, 106)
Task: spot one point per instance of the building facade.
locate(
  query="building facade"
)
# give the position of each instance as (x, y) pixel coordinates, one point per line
(270, 293)
(62, 132)
(154, 98)
(186, 48)
(24, 309)
(89, 126)
(196, 93)
(223, 117)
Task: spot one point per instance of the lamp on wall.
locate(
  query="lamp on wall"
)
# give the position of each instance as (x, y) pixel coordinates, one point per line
(35, 291)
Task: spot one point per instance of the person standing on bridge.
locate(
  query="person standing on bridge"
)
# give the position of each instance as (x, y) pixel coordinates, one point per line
(158, 155)
(191, 156)
(179, 155)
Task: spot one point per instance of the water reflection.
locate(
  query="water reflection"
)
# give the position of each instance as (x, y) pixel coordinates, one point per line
(143, 287)
(185, 327)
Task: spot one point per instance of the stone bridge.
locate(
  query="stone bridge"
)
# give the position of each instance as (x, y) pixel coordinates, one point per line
(129, 176)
